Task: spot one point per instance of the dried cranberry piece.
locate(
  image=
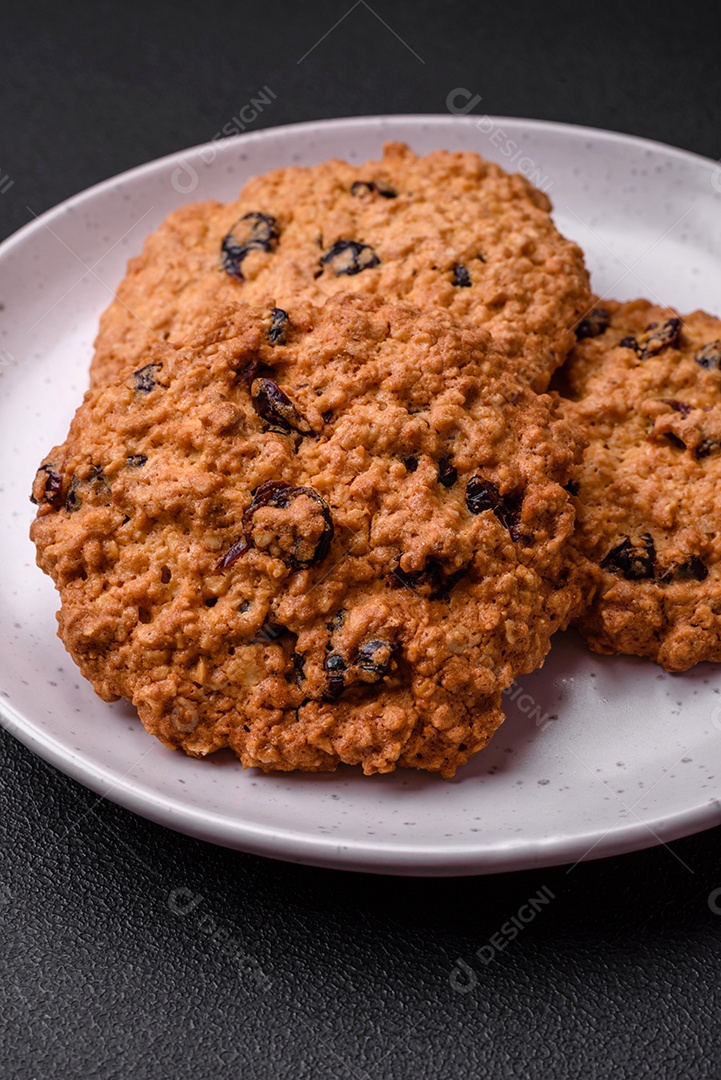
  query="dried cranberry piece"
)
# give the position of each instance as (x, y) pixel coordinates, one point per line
(635, 562)
(350, 257)
(374, 659)
(447, 472)
(691, 569)
(253, 232)
(595, 323)
(461, 276)
(47, 486)
(709, 356)
(484, 495)
(144, 378)
(278, 493)
(273, 405)
(136, 461)
(279, 326)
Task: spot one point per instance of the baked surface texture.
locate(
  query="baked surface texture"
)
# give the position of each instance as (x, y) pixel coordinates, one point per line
(647, 388)
(449, 230)
(341, 547)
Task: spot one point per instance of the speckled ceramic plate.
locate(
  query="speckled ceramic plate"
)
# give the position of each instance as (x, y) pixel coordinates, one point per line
(597, 756)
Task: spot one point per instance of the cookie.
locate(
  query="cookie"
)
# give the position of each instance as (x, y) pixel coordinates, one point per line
(646, 385)
(448, 231)
(341, 548)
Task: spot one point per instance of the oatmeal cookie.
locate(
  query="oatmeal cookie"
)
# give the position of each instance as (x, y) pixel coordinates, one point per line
(336, 544)
(449, 231)
(645, 383)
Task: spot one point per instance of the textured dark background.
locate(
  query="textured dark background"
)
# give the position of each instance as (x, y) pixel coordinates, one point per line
(133, 952)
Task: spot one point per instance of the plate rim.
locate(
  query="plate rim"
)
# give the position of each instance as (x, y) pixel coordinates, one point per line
(391, 857)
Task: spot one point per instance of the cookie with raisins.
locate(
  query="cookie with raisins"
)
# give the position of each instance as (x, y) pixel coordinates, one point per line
(645, 382)
(449, 231)
(338, 547)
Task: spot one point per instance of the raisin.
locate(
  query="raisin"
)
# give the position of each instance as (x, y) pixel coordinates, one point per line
(447, 472)
(374, 660)
(572, 487)
(707, 447)
(432, 579)
(654, 339)
(248, 373)
(298, 661)
(635, 562)
(267, 633)
(595, 323)
(279, 494)
(483, 495)
(136, 461)
(144, 378)
(359, 186)
(461, 277)
(378, 186)
(335, 667)
(234, 552)
(95, 483)
(709, 356)
(674, 440)
(691, 569)
(273, 405)
(660, 337)
(47, 486)
(72, 500)
(327, 416)
(411, 463)
(253, 232)
(678, 406)
(337, 621)
(278, 327)
(350, 257)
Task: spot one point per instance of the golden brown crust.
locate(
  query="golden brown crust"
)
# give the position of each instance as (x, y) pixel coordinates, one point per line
(338, 549)
(457, 233)
(649, 502)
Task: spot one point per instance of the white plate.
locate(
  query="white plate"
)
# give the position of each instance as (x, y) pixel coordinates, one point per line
(597, 756)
